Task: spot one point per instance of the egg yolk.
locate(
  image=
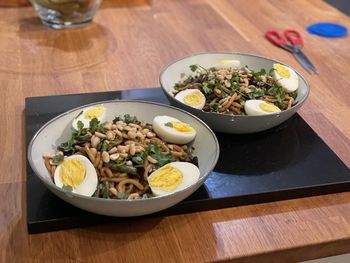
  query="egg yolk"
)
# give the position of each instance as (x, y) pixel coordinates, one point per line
(283, 71)
(181, 126)
(166, 178)
(72, 172)
(94, 112)
(269, 107)
(193, 99)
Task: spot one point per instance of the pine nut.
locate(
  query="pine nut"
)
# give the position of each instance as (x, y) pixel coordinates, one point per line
(113, 150)
(217, 91)
(114, 156)
(150, 135)
(139, 149)
(122, 148)
(108, 126)
(140, 135)
(132, 134)
(132, 149)
(95, 141)
(119, 133)
(105, 157)
(100, 135)
(123, 155)
(135, 125)
(120, 127)
(110, 135)
(220, 77)
(144, 131)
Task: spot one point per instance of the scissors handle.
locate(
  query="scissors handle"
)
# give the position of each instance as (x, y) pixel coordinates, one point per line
(274, 37)
(294, 37)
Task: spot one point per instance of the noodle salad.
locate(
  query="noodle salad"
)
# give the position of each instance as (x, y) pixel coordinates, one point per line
(124, 158)
(226, 88)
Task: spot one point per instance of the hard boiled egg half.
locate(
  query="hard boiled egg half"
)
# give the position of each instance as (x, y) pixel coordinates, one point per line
(227, 63)
(286, 77)
(173, 130)
(76, 174)
(173, 177)
(86, 115)
(191, 97)
(259, 107)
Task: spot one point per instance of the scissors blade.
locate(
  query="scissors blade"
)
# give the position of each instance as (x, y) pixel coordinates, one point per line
(314, 69)
(304, 61)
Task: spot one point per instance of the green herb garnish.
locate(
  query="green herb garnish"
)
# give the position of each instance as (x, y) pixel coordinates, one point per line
(155, 152)
(80, 113)
(67, 188)
(168, 124)
(58, 158)
(121, 195)
(94, 124)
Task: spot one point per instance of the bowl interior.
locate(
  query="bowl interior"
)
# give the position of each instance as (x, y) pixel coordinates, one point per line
(59, 130)
(172, 73)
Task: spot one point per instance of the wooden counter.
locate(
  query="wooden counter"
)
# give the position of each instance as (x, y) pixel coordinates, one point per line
(125, 48)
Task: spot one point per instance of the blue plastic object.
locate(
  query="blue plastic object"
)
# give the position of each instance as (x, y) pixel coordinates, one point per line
(331, 30)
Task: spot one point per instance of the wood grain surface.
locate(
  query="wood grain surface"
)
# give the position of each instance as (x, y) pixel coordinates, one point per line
(125, 48)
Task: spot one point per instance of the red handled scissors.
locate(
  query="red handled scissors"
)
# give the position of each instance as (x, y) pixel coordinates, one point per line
(293, 43)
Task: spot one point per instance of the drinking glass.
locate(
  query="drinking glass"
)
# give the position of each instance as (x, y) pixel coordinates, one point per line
(61, 14)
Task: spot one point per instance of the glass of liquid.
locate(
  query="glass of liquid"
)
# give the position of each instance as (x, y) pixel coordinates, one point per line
(60, 14)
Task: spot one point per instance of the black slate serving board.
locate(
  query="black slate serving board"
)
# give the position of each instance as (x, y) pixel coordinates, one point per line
(288, 161)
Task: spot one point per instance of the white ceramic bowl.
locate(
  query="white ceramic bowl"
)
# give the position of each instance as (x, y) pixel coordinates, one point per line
(58, 130)
(171, 74)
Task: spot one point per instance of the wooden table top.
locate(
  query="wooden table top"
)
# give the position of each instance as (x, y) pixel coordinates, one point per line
(125, 48)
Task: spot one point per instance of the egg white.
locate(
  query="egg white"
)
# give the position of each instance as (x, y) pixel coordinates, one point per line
(170, 134)
(252, 108)
(86, 121)
(88, 185)
(182, 94)
(227, 63)
(289, 84)
(190, 174)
